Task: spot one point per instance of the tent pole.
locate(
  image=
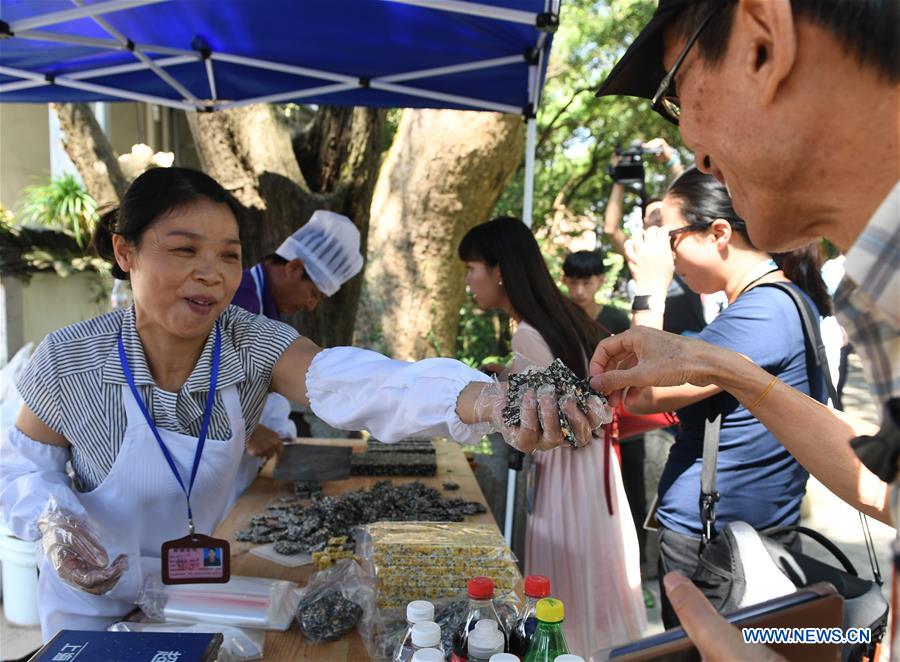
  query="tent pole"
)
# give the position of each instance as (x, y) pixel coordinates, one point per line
(530, 144)
(80, 12)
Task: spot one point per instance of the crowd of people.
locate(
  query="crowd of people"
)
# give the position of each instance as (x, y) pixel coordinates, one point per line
(713, 333)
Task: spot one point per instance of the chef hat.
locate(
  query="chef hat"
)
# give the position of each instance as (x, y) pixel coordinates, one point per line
(329, 246)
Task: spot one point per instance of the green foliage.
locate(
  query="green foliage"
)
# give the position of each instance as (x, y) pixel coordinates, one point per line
(62, 204)
(483, 336)
(26, 250)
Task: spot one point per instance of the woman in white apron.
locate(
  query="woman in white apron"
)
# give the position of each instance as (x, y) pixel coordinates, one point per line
(151, 405)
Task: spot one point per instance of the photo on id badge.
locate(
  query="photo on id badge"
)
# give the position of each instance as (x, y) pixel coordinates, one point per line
(196, 559)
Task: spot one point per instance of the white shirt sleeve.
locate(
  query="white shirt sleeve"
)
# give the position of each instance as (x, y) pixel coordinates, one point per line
(357, 389)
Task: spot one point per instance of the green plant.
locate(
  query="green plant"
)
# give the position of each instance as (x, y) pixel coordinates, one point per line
(61, 203)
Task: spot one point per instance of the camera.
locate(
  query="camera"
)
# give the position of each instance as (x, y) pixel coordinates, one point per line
(630, 167)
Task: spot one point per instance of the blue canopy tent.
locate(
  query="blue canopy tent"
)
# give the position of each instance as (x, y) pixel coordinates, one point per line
(209, 55)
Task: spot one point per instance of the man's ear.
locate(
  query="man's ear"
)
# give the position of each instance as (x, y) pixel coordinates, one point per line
(294, 269)
(770, 41)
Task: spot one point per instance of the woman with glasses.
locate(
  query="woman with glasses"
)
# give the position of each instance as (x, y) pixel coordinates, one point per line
(704, 241)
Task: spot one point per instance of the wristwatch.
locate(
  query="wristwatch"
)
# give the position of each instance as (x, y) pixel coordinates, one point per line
(652, 302)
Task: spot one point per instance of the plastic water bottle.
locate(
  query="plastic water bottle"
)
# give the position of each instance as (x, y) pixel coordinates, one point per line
(120, 297)
(417, 611)
(428, 655)
(548, 642)
(426, 634)
(504, 657)
(485, 641)
(536, 587)
(569, 657)
(481, 606)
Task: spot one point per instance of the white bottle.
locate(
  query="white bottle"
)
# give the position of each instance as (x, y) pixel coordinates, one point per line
(417, 611)
(504, 657)
(485, 640)
(428, 655)
(426, 634)
(568, 657)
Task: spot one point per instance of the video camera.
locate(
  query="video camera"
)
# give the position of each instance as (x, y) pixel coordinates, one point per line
(630, 167)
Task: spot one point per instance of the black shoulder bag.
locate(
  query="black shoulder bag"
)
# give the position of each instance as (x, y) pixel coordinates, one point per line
(742, 566)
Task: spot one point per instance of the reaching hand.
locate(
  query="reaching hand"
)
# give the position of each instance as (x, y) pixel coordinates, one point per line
(264, 443)
(647, 357)
(662, 150)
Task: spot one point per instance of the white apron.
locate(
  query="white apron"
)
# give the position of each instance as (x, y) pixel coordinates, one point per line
(140, 505)
(276, 413)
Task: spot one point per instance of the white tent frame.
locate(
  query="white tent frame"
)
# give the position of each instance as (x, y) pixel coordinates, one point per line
(30, 29)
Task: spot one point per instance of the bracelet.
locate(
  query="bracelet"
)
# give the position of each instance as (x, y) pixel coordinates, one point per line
(672, 160)
(762, 396)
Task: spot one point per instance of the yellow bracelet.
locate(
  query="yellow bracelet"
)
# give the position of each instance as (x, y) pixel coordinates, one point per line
(762, 396)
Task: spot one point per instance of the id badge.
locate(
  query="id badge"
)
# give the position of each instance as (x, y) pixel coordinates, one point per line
(196, 559)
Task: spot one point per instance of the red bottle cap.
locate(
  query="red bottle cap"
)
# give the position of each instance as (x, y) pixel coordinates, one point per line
(537, 586)
(481, 588)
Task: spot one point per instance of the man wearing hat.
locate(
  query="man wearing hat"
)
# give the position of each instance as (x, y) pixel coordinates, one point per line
(793, 105)
(308, 266)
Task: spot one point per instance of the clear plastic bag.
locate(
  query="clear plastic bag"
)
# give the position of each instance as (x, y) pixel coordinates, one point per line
(247, 602)
(238, 645)
(335, 600)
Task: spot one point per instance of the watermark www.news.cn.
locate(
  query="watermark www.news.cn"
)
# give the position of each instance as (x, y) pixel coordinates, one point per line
(806, 636)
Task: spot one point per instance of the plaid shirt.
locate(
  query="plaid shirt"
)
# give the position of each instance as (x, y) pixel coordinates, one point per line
(867, 302)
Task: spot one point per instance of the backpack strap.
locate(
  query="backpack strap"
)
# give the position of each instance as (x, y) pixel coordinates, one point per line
(812, 336)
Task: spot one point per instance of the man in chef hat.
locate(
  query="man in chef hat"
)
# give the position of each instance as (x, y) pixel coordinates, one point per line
(308, 266)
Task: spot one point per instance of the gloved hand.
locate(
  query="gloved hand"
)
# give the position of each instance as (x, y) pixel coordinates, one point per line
(540, 423)
(74, 550)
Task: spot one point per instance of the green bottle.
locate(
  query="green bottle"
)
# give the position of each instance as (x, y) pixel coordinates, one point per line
(548, 640)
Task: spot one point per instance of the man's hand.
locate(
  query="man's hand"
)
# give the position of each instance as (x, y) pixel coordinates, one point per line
(649, 257)
(714, 637)
(647, 357)
(264, 443)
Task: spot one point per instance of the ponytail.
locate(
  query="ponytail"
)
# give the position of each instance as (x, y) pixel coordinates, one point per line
(803, 267)
(103, 243)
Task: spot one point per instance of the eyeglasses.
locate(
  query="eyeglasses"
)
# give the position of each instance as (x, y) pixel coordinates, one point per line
(665, 101)
(673, 234)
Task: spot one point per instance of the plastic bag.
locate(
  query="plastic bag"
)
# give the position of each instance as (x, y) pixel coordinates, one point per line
(247, 602)
(238, 645)
(335, 601)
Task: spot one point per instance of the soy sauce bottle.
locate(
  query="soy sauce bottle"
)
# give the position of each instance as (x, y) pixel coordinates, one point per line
(536, 587)
(481, 606)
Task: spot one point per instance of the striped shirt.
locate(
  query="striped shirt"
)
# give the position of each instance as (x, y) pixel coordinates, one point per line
(867, 302)
(74, 380)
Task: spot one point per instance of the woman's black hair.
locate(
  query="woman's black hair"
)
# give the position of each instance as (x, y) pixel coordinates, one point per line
(151, 196)
(703, 199)
(584, 264)
(566, 328)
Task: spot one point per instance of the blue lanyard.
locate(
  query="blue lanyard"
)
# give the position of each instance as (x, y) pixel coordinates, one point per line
(207, 415)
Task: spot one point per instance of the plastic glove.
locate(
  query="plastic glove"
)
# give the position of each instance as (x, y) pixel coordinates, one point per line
(539, 414)
(74, 550)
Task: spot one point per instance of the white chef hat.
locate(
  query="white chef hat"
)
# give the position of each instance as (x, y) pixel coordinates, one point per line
(329, 246)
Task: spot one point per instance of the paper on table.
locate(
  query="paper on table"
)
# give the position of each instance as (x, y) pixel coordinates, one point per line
(289, 561)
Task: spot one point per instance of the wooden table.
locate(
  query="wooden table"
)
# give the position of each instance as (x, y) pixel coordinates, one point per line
(291, 645)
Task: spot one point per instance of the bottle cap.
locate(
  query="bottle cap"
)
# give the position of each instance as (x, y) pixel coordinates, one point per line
(550, 610)
(503, 657)
(537, 586)
(426, 634)
(428, 655)
(568, 657)
(485, 638)
(481, 588)
(419, 610)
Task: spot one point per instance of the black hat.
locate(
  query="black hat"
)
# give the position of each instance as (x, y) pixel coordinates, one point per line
(640, 71)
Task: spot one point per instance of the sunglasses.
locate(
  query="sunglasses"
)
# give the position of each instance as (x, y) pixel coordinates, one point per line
(665, 101)
(673, 234)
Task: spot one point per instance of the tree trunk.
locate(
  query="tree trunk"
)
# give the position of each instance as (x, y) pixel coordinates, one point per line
(91, 152)
(249, 150)
(443, 174)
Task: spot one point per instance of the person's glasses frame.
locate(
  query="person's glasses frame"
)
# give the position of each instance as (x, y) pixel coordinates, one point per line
(673, 234)
(665, 101)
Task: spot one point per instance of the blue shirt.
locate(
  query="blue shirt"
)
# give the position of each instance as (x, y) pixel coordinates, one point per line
(759, 481)
(247, 295)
